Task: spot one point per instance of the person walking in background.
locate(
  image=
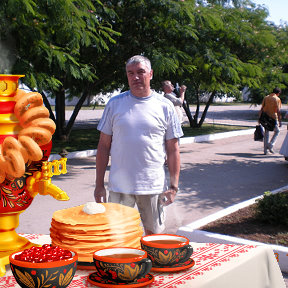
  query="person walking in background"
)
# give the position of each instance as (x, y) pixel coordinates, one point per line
(168, 89)
(271, 105)
(284, 147)
(138, 128)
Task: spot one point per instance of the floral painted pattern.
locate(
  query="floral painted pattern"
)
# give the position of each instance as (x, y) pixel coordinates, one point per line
(121, 271)
(44, 278)
(162, 257)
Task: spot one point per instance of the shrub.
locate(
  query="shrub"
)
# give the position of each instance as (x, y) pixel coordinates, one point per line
(273, 208)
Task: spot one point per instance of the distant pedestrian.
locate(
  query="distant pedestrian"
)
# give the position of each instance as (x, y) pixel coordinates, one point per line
(284, 148)
(271, 105)
(169, 89)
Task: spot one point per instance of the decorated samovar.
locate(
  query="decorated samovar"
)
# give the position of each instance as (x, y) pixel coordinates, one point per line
(25, 145)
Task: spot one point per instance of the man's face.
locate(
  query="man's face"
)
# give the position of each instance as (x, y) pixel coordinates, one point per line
(168, 88)
(139, 77)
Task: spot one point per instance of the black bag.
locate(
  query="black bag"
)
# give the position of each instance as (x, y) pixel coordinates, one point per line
(267, 122)
(258, 133)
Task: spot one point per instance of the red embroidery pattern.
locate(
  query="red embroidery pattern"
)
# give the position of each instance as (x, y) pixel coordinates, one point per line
(208, 257)
(31, 237)
(37, 238)
(8, 282)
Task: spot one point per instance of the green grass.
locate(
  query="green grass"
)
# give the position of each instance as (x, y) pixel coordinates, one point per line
(86, 139)
(206, 129)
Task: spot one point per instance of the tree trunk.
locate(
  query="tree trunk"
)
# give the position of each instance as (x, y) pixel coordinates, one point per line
(194, 123)
(48, 106)
(210, 100)
(60, 115)
(188, 112)
(197, 111)
(75, 113)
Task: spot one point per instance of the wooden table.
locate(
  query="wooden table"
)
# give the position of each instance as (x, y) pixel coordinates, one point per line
(216, 266)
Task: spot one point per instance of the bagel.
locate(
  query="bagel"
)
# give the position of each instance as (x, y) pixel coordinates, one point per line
(45, 123)
(35, 130)
(32, 114)
(19, 94)
(10, 143)
(15, 163)
(31, 148)
(2, 168)
(31, 100)
(39, 135)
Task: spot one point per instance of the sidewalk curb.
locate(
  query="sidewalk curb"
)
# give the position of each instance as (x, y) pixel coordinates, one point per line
(191, 231)
(184, 140)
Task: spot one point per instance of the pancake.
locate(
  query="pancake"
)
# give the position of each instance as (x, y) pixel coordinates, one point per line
(100, 229)
(115, 214)
(91, 237)
(117, 226)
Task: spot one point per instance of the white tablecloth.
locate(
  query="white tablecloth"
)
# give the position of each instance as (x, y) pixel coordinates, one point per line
(217, 266)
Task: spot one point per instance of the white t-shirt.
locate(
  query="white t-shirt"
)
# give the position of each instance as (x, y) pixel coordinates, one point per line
(177, 102)
(139, 128)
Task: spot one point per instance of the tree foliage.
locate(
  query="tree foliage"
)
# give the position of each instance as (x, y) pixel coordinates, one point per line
(215, 47)
(80, 47)
(50, 37)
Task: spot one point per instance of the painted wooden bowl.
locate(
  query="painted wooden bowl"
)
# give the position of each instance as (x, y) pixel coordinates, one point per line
(46, 274)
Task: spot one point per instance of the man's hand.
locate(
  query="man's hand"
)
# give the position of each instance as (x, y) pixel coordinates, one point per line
(100, 195)
(183, 88)
(168, 197)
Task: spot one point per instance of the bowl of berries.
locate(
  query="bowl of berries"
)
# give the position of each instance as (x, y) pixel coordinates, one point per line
(45, 266)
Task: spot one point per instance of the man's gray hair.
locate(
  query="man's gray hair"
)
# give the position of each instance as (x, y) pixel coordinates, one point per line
(138, 59)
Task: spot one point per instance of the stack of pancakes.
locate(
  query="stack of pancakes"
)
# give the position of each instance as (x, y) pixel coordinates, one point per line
(118, 226)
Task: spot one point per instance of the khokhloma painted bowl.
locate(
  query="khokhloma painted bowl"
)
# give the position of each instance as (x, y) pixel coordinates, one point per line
(46, 274)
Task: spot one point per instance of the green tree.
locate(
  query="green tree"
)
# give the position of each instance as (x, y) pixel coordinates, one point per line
(71, 47)
(234, 43)
(50, 38)
(214, 49)
(225, 54)
(274, 67)
(156, 28)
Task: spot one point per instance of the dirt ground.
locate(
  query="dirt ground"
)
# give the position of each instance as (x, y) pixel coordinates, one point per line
(244, 224)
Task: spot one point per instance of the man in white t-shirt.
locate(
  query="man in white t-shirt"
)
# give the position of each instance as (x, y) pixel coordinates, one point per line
(138, 128)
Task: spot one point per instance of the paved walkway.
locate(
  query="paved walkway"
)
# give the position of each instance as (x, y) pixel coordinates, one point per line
(214, 175)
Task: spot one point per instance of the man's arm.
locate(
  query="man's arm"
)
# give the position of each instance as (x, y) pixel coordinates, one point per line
(102, 159)
(176, 101)
(261, 109)
(182, 92)
(173, 162)
(279, 117)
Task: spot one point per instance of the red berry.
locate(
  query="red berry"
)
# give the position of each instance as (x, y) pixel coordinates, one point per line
(46, 253)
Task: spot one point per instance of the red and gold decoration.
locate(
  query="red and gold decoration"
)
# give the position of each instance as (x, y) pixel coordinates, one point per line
(167, 249)
(25, 145)
(56, 270)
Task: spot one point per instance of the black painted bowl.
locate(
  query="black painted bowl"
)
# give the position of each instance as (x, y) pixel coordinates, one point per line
(166, 249)
(46, 274)
(121, 265)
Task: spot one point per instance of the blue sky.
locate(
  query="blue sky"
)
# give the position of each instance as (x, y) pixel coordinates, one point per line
(278, 9)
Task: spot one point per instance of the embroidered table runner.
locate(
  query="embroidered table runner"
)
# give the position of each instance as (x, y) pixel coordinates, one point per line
(216, 266)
